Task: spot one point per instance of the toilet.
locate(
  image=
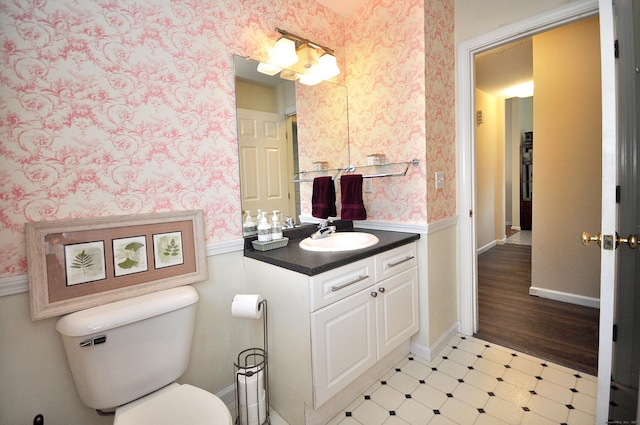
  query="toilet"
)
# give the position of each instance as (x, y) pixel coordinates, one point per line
(125, 356)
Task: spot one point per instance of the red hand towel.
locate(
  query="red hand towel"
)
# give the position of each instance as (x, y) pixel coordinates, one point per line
(351, 192)
(323, 199)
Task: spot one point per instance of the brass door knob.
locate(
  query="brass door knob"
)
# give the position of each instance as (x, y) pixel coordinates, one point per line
(632, 241)
(587, 238)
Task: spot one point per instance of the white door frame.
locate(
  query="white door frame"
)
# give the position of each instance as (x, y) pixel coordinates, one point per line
(465, 101)
(609, 225)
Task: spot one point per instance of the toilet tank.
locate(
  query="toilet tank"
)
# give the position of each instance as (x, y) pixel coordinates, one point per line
(121, 351)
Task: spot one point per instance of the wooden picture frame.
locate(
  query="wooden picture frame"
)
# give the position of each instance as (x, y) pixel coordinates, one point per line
(76, 264)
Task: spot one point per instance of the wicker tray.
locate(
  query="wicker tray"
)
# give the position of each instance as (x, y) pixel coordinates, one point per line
(267, 246)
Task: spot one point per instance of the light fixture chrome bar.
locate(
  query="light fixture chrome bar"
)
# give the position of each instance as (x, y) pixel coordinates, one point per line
(302, 40)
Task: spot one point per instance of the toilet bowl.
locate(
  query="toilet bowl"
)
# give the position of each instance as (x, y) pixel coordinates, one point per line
(175, 404)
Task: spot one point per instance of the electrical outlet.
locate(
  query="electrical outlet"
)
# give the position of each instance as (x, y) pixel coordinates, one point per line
(368, 185)
(439, 180)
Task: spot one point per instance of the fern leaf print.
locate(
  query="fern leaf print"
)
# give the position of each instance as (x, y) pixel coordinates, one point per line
(82, 261)
(85, 262)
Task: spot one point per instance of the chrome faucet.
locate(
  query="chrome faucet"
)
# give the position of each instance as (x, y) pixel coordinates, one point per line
(287, 223)
(324, 230)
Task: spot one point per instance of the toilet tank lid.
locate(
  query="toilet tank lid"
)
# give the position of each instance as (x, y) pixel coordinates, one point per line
(120, 313)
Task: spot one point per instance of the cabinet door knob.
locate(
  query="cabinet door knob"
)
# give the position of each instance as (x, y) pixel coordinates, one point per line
(374, 294)
(381, 290)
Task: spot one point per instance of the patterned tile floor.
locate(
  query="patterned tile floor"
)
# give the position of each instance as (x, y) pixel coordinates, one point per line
(523, 237)
(474, 382)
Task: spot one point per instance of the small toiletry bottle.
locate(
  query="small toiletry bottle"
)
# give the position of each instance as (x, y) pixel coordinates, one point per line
(250, 227)
(276, 226)
(264, 230)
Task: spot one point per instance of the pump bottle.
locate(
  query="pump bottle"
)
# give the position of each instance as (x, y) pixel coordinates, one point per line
(264, 230)
(276, 226)
(249, 227)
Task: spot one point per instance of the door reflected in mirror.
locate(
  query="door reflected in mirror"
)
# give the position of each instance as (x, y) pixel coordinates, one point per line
(285, 127)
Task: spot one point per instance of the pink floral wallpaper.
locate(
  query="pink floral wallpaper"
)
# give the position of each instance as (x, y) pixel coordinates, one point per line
(111, 108)
(440, 113)
(400, 61)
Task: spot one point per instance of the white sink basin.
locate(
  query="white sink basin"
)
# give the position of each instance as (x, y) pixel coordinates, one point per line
(345, 241)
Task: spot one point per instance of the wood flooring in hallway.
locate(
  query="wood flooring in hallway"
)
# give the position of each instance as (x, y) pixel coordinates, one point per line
(563, 333)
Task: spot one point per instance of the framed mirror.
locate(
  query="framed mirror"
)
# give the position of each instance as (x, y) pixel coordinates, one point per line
(285, 128)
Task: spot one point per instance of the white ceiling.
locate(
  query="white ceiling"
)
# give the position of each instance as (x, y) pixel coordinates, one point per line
(501, 68)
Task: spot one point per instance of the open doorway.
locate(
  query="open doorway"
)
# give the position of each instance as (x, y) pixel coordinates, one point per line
(562, 324)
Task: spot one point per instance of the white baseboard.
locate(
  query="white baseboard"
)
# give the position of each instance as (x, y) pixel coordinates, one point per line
(565, 297)
(228, 395)
(428, 353)
(487, 247)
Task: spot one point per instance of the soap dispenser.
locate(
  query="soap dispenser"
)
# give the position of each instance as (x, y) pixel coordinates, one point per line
(264, 230)
(249, 227)
(276, 226)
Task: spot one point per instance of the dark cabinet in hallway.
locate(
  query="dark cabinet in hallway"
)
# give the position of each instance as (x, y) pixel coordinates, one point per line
(526, 180)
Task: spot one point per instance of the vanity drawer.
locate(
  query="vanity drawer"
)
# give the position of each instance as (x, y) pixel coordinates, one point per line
(334, 285)
(397, 260)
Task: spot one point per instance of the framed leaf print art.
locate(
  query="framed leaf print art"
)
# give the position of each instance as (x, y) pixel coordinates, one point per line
(81, 263)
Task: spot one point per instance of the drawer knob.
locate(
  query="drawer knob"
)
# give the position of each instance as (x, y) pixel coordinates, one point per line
(381, 290)
(374, 294)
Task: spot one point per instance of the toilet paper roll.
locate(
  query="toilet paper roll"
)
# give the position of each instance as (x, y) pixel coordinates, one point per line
(254, 414)
(246, 306)
(250, 388)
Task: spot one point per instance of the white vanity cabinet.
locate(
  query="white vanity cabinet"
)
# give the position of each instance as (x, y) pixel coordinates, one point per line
(350, 335)
(329, 332)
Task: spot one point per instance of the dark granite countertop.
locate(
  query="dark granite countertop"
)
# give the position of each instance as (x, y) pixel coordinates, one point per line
(294, 258)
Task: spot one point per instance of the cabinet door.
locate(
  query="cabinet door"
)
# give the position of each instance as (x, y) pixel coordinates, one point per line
(343, 343)
(397, 310)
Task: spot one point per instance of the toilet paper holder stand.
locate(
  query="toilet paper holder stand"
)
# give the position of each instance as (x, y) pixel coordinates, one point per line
(252, 381)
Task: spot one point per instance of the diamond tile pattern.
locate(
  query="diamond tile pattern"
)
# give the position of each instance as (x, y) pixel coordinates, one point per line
(472, 382)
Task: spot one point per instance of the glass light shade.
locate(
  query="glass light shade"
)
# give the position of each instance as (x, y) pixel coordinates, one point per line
(283, 53)
(268, 69)
(287, 74)
(328, 66)
(309, 80)
(308, 56)
(308, 59)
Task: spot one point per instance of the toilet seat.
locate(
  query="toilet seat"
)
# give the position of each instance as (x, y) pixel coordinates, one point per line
(175, 404)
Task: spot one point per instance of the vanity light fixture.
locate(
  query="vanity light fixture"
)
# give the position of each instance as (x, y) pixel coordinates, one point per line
(295, 57)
